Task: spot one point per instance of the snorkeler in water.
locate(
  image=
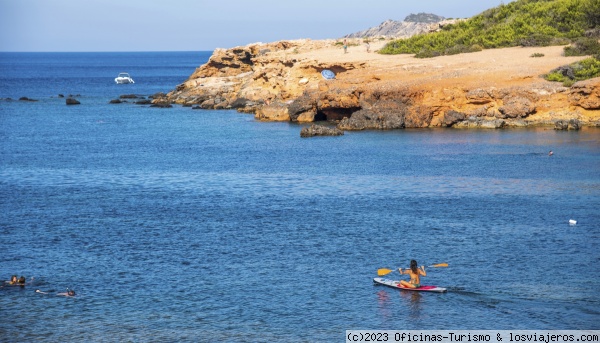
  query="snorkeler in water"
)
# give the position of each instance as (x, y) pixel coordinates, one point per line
(68, 293)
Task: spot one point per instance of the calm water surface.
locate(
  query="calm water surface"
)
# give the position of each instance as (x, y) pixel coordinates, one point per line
(193, 225)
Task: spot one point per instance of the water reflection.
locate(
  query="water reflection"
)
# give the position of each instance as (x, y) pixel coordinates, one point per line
(412, 302)
(384, 305)
(410, 305)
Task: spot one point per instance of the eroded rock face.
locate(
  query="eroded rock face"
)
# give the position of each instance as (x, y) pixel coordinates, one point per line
(273, 112)
(516, 107)
(304, 108)
(586, 94)
(480, 96)
(383, 115)
(276, 82)
(452, 117)
(260, 74)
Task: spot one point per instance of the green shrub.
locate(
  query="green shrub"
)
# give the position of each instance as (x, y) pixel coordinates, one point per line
(536, 39)
(537, 54)
(587, 69)
(427, 53)
(582, 47)
(591, 11)
(560, 41)
(460, 49)
(555, 76)
(518, 23)
(578, 71)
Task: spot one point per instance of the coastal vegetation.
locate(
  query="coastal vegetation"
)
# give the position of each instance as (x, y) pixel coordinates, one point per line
(582, 70)
(518, 23)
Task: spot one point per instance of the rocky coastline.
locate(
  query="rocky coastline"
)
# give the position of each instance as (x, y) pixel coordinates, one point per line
(281, 81)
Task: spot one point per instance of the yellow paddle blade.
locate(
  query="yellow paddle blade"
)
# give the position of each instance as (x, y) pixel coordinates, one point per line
(384, 271)
(440, 265)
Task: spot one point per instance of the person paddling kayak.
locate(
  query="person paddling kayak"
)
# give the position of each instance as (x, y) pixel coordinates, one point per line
(415, 275)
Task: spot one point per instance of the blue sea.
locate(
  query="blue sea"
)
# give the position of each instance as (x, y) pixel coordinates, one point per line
(181, 225)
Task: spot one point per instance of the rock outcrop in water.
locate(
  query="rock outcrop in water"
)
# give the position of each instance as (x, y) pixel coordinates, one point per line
(320, 130)
(282, 81)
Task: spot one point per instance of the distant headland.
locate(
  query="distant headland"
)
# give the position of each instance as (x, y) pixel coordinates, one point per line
(491, 88)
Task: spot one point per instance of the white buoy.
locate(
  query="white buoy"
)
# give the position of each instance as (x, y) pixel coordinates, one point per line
(572, 222)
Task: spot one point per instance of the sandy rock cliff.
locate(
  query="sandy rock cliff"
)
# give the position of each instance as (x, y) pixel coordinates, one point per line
(282, 81)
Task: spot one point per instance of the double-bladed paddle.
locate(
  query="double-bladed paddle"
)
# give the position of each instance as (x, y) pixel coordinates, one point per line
(384, 271)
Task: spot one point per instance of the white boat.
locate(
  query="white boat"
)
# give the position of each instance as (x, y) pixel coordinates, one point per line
(123, 78)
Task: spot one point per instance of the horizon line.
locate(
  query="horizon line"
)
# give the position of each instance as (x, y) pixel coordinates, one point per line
(101, 51)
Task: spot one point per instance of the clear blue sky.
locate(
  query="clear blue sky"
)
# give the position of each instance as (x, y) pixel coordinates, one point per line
(193, 25)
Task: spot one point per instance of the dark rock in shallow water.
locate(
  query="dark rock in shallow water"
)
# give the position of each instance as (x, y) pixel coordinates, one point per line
(158, 95)
(318, 130)
(474, 122)
(241, 103)
(61, 95)
(129, 96)
(492, 124)
(116, 101)
(572, 124)
(143, 102)
(210, 103)
(561, 125)
(24, 98)
(453, 117)
(162, 105)
(71, 101)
